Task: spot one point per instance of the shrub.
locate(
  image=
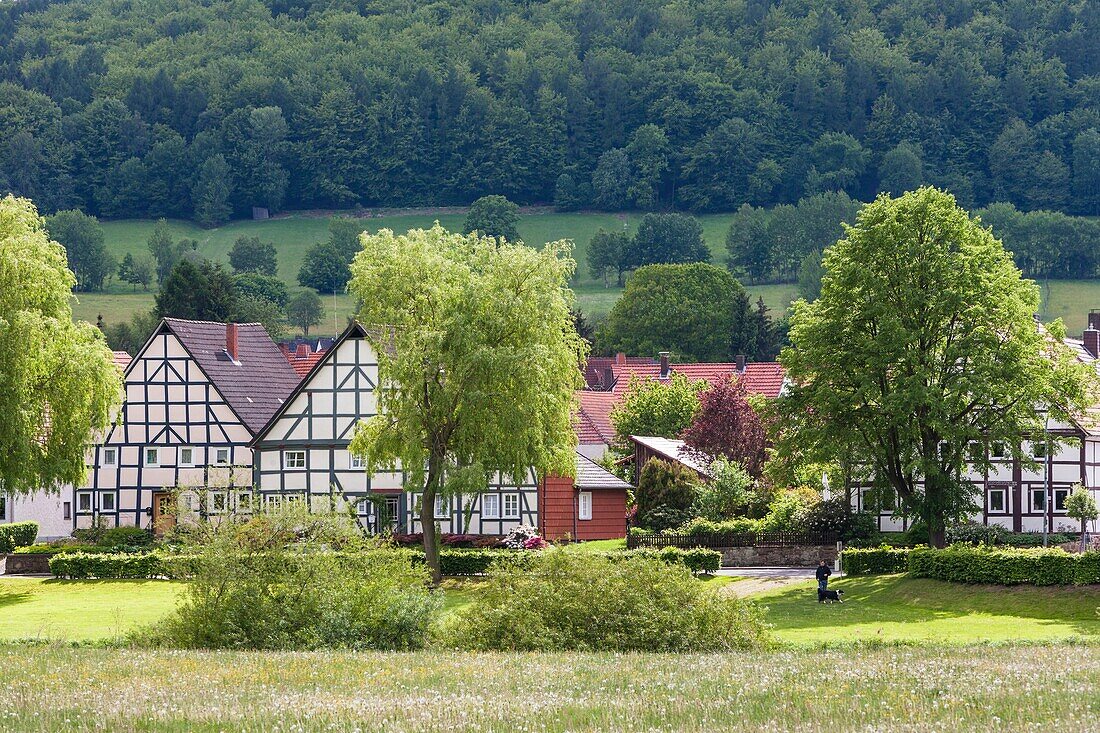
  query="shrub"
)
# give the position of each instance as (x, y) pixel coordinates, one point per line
(699, 526)
(835, 515)
(875, 560)
(327, 589)
(967, 564)
(17, 534)
(788, 510)
(523, 537)
(81, 565)
(584, 601)
(126, 537)
(727, 494)
(665, 494)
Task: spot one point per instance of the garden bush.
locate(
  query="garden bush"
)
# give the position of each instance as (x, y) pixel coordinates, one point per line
(700, 526)
(996, 566)
(836, 515)
(327, 588)
(584, 601)
(102, 565)
(127, 537)
(17, 534)
(665, 494)
(875, 560)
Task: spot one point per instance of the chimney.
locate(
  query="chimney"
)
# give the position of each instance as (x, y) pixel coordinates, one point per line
(231, 340)
(302, 352)
(608, 378)
(741, 363)
(1091, 340)
(620, 359)
(664, 364)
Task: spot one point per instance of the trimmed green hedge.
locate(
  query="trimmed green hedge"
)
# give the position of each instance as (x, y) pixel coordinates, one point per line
(454, 561)
(966, 564)
(79, 565)
(979, 565)
(17, 534)
(875, 560)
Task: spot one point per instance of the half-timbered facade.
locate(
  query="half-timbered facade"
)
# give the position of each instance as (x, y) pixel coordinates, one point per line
(195, 395)
(1013, 495)
(302, 455)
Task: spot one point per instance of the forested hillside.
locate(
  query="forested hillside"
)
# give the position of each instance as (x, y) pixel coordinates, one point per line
(202, 110)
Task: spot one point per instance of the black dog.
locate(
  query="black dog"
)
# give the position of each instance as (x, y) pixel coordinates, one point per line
(827, 596)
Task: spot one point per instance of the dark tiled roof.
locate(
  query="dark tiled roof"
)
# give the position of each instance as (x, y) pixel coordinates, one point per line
(591, 475)
(254, 385)
(122, 359)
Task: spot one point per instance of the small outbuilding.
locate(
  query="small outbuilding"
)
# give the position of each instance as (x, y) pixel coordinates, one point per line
(591, 506)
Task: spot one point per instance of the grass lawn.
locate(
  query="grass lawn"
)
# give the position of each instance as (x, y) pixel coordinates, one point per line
(80, 610)
(896, 608)
(985, 688)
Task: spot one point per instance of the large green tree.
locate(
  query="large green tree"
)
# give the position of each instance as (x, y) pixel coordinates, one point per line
(493, 216)
(922, 342)
(249, 254)
(662, 409)
(305, 310)
(664, 238)
(699, 312)
(476, 337)
(58, 383)
(82, 237)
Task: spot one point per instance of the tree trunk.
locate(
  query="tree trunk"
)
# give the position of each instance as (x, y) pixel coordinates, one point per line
(427, 519)
(1083, 522)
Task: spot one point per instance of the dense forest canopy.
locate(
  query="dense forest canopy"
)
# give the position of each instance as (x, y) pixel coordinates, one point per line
(206, 109)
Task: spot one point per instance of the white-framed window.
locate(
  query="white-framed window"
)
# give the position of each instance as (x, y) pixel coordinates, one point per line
(152, 456)
(217, 502)
(362, 507)
(357, 461)
(1039, 449)
(490, 506)
(974, 451)
(84, 501)
(221, 456)
(393, 510)
(1060, 496)
(442, 511)
(997, 449)
(998, 501)
(187, 456)
(511, 506)
(108, 501)
(584, 505)
(1038, 500)
(110, 456)
(244, 501)
(273, 501)
(294, 459)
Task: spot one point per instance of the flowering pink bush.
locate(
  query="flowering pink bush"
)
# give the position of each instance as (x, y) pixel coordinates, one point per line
(519, 538)
(535, 543)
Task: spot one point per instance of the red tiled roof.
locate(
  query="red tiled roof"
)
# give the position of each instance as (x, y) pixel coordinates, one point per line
(594, 419)
(122, 359)
(302, 364)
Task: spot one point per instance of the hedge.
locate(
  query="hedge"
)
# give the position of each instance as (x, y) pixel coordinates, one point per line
(453, 561)
(966, 564)
(79, 565)
(875, 560)
(17, 534)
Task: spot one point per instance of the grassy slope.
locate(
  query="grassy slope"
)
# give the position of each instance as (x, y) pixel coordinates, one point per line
(893, 607)
(985, 688)
(293, 235)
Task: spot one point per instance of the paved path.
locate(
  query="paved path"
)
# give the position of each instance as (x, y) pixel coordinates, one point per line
(759, 580)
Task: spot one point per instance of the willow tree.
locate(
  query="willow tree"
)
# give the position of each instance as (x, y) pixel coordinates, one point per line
(58, 382)
(922, 342)
(477, 360)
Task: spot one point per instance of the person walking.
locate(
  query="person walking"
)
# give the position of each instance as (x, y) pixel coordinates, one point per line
(823, 573)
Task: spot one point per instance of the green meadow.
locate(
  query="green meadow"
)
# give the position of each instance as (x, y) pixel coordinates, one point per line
(295, 233)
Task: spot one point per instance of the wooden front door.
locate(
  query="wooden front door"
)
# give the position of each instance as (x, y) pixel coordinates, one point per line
(163, 516)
